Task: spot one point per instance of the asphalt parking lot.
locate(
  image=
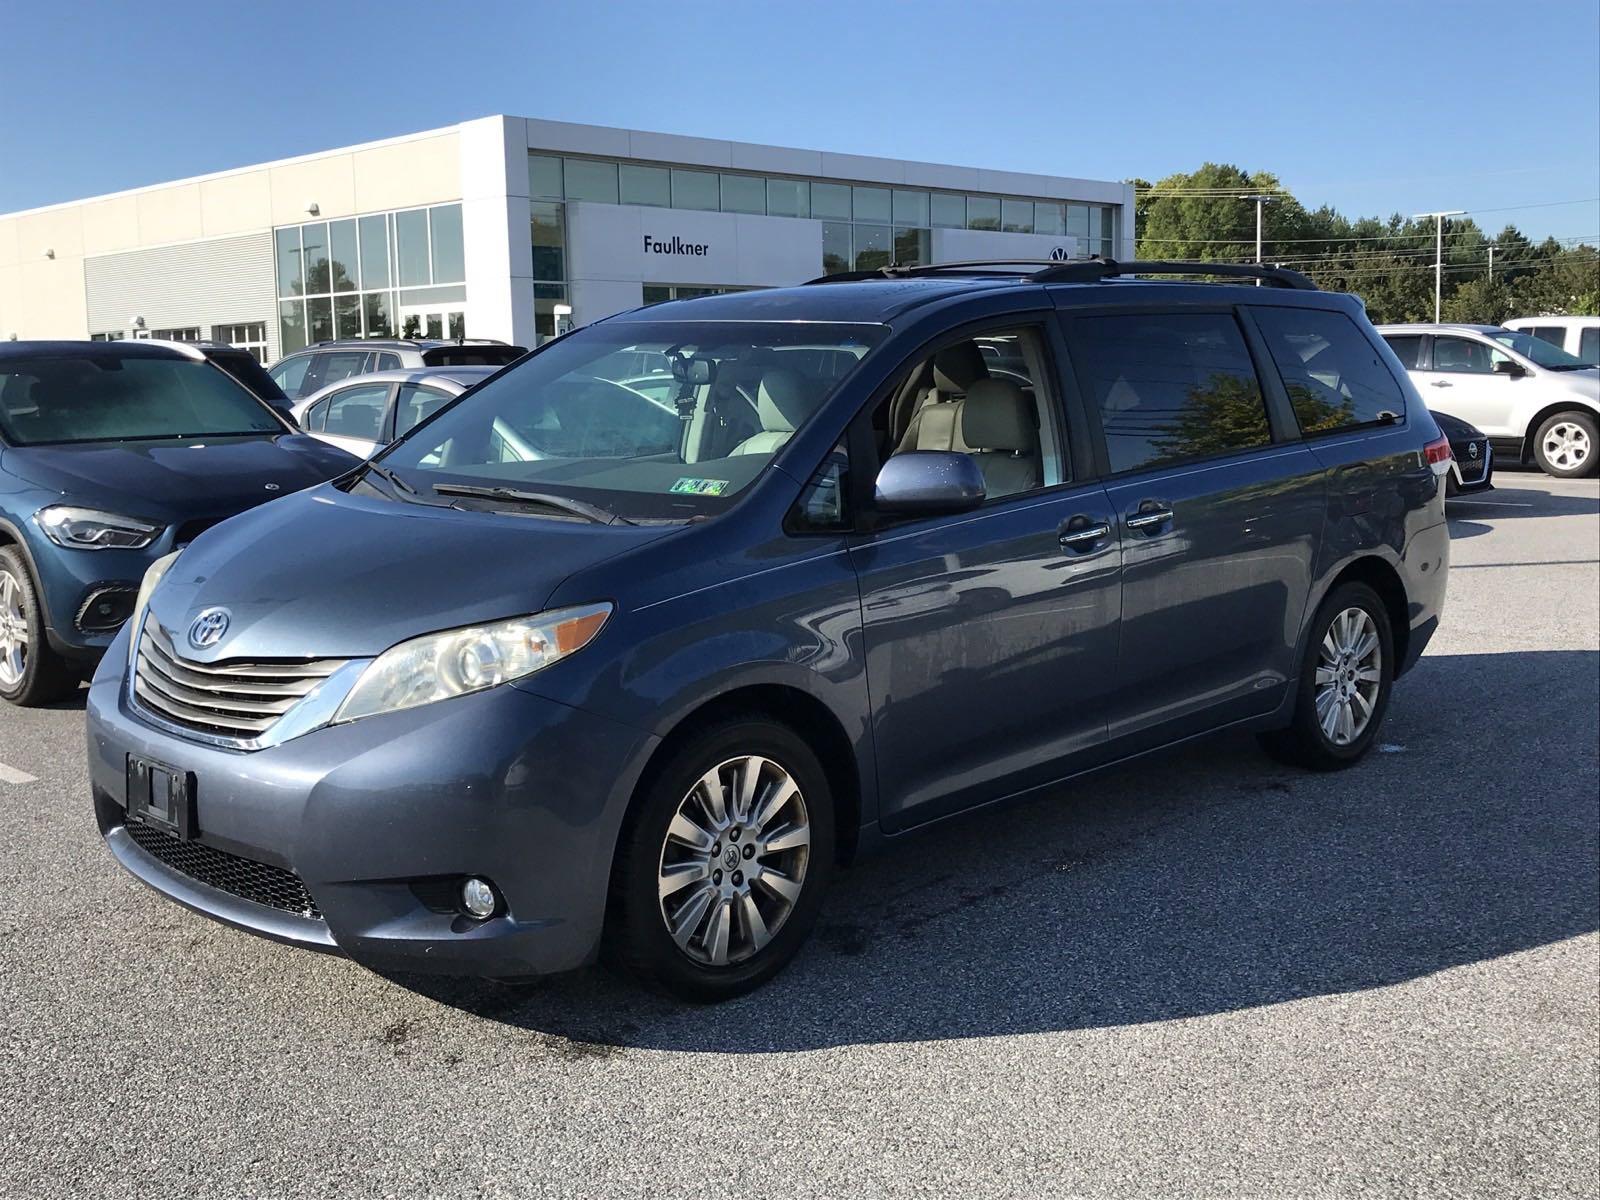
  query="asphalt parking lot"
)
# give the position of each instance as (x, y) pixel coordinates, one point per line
(1200, 974)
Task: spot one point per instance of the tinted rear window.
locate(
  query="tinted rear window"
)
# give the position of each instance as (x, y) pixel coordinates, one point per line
(244, 367)
(1335, 377)
(1589, 346)
(1170, 386)
(1408, 350)
(472, 356)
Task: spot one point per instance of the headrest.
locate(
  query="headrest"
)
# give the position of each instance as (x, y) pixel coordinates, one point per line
(996, 416)
(784, 400)
(956, 368)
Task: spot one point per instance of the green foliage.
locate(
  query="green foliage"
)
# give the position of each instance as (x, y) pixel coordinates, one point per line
(1203, 215)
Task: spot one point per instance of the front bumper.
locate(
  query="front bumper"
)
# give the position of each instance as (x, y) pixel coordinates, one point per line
(379, 819)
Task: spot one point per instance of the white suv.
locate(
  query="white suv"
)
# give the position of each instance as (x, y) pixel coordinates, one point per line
(1534, 400)
(1575, 335)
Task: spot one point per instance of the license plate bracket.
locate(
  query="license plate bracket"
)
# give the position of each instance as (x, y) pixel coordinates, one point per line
(162, 796)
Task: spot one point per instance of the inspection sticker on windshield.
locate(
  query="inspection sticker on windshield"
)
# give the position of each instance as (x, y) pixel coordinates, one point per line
(701, 487)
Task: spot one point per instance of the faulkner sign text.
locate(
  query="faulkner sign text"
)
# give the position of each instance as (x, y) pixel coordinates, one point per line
(676, 246)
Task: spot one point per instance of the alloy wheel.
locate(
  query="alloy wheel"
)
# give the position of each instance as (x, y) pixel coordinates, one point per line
(734, 860)
(1349, 674)
(13, 631)
(1566, 445)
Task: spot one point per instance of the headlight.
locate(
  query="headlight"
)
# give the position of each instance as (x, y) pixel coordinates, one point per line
(153, 576)
(458, 661)
(90, 529)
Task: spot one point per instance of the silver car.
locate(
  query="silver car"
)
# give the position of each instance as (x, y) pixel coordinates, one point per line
(364, 413)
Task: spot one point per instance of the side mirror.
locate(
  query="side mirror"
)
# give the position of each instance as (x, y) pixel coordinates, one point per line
(927, 483)
(1507, 366)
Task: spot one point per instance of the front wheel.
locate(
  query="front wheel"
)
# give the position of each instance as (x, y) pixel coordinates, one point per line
(30, 672)
(1567, 445)
(720, 872)
(1344, 685)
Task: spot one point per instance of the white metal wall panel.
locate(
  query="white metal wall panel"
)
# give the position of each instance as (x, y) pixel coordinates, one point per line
(223, 281)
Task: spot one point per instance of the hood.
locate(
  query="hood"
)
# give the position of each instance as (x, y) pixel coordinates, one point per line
(177, 481)
(1455, 428)
(327, 574)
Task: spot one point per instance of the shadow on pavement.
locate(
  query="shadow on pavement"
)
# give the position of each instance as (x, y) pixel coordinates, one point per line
(1509, 501)
(1202, 881)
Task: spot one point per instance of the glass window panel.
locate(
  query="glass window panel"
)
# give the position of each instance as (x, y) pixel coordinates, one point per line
(549, 291)
(434, 295)
(869, 204)
(1095, 230)
(1016, 216)
(836, 254)
(435, 326)
(314, 241)
(872, 247)
(377, 310)
(545, 298)
(983, 212)
(319, 320)
(549, 242)
(357, 411)
(645, 185)
(449, 258)
(910, 208)
(290, 280)
(744, 193)
(1078, 220)
(830, 201)
(949, 211)
(588, 180)
(347, 316)
(374, 252)
(1334, 376)
(788, 198)
(656, 293)
(291, 326)
(343, 270)
(455, 325)
(544, 177)
(913, 246)
(1050, 219)
(695, 189)
(415, 403)
(411, 249)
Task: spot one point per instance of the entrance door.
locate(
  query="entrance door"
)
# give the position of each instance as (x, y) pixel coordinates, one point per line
(437, 322)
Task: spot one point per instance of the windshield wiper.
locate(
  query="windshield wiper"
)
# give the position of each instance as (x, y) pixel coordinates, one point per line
(391, 478)
(517, 496)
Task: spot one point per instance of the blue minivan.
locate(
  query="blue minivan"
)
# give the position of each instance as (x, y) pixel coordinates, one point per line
(113, 454)
(579, 668)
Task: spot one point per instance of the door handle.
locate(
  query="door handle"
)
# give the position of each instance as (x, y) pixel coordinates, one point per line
(1085, 536)
(1149, 518)
(1441, 383)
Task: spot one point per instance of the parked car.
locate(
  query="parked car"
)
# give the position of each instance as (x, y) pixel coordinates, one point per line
(638, 696)
(112, 455)
(1578, 336)
(364, 412)
(1536, 402)
(310, 370)
(1471, 456)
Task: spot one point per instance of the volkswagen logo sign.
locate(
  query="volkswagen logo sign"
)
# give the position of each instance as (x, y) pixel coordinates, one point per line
(207, 629)
(1059, 254)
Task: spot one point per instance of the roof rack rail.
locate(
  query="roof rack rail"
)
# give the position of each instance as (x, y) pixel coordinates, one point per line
(1080, 270)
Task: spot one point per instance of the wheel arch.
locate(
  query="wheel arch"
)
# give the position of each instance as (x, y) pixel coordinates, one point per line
(1567, 404)
(1380, 575)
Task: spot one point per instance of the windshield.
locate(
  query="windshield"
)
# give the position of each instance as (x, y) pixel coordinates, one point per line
(107, 397)
(657, 419)
(1539, 350)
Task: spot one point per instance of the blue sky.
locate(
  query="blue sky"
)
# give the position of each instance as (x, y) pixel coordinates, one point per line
(1371, 107)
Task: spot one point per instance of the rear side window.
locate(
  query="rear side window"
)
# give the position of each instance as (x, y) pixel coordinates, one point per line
(1553, 334)
(415, 405)
(471, 356)
(1169, 386)
(1408, 350)
(1589, 346)
(290, 375)
(1334, 376)
(341, 364)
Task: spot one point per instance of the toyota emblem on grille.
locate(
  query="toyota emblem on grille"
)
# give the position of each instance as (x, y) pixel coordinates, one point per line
(207, 629)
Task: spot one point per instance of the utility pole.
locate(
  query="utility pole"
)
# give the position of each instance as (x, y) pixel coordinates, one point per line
(1260, 200)
(1492, 249)
(1438, 254)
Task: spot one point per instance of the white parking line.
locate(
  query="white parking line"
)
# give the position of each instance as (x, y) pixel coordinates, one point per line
(12, 775)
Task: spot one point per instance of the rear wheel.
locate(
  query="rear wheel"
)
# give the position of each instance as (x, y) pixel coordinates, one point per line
(30, 672)
(1567, 445)
(720, 873)
(1344, 685)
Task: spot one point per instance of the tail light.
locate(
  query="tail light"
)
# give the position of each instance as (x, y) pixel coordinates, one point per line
(1437, 455)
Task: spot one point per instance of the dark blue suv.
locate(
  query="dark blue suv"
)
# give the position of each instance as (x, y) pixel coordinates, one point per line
(111, 455)
(622, 651)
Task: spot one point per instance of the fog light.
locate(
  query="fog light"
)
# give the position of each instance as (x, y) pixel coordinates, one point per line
(478, 898)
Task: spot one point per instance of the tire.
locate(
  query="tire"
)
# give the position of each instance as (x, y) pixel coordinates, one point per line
(719, 952)
(30, 672)
(1567, 445)
(1308, 741)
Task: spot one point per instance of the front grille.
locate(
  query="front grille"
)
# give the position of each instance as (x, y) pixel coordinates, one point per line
(1472, 469)
(245, 878)
(236, 699)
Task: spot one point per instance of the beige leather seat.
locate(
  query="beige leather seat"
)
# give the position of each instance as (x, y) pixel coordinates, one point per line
(934, 425)
(999, 424)
(783, 401)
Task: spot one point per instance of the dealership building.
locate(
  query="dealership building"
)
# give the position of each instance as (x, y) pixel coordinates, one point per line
(510, 228)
